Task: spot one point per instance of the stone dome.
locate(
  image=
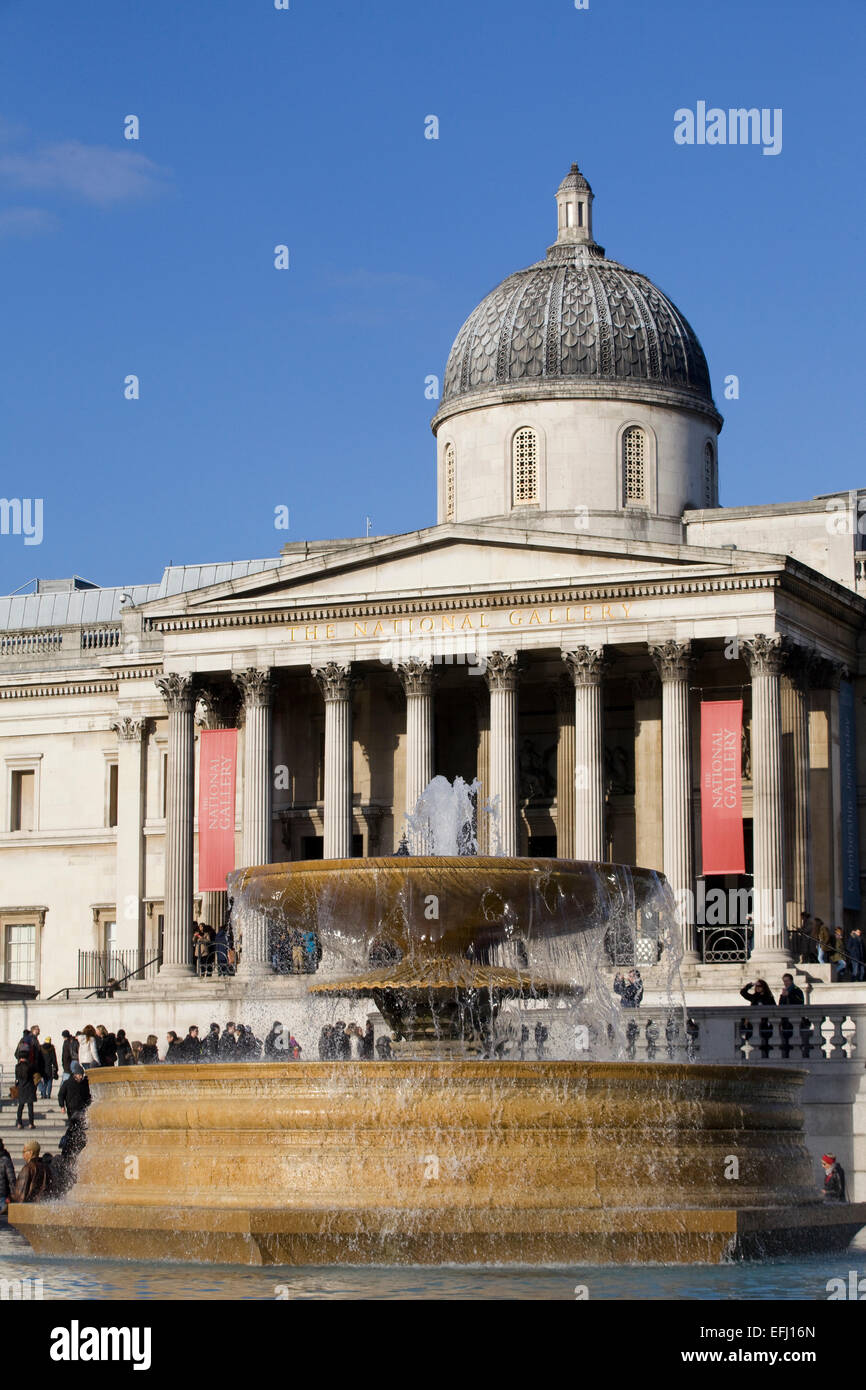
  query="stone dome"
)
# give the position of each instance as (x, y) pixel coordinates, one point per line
(577, 323)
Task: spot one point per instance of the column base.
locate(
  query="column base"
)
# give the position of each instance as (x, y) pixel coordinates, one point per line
(181, 973)
(255, 970)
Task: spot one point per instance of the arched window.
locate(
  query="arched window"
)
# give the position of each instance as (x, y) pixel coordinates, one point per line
(524, 468)
(634, 465)
(709, 475)
(449, 482)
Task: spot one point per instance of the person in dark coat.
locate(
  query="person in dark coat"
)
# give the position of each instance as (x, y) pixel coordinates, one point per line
(759, 993)
(191, 1045)
(369, 1042)
(228, 1044)
(792, 996)
(174, 1048)
(149, 1052)
(48, 1069)
(24, 1074)
(68, 1053)
(384, 1049)
(74, 1095)
(31, 1185)
(342, 1042)
(856, 958)
(125, 1057)
(275, 1044)
(326, 1044)
(630, 991)
(834, 1179)
(7, 1178)
(221, 951)
(28, 1050)
(211, 1045)
(107, 1046)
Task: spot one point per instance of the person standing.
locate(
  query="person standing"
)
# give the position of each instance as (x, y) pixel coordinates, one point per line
(759, 993)
(839, 955)
(822, 936)
(24, 1074)
(49, 1069)
(211, 1045)
(68, 1053)
(228, 1044)
(88, 1049)
(275, 1044)
(107, 1045)
(125, 1057)
(834, 1179)
(174, 1047)
(369, 1042)
(791, 996)
(856, 956)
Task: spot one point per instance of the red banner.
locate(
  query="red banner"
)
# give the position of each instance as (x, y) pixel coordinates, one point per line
(721, 787)
(216, 808)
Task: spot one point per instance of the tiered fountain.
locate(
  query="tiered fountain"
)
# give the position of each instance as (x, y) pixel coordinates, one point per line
(455, 1151)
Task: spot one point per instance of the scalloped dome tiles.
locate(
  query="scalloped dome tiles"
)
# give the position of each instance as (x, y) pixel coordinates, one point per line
(576, 316)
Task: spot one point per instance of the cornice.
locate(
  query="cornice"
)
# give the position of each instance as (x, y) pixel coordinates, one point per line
(523, 598)
(29, 692)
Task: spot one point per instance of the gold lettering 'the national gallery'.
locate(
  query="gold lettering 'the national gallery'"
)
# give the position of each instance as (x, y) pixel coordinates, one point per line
(464, 622)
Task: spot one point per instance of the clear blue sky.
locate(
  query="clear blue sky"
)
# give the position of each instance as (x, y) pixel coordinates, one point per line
(305, 388)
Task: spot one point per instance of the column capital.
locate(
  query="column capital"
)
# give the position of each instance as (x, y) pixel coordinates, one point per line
(672, 660)
(502, 671)
(799, 663)
(765, 654)
(586, 665)
(129, 730)
(335, 680)
(256, 687)
(416, 676)
(179, 691)
(220, 707)
(826, 674)
(645, 685)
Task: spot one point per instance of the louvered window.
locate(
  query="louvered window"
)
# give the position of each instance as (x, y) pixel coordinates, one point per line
(524, 467)
(449, 482)
(634, 464)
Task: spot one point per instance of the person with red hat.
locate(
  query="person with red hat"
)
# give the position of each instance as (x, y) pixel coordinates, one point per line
(834, 1179)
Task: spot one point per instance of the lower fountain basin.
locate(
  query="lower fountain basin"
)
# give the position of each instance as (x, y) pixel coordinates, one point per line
(428, 1163)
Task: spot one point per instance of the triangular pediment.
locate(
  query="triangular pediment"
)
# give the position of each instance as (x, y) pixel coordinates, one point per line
(451, 559)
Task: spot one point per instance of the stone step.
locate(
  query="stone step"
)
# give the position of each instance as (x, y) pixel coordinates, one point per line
(50, 1125)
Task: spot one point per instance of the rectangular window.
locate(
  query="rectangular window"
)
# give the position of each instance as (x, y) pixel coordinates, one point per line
(569, 215)
(20, 954)
(112, 794)
(23, 801)
(580, 214)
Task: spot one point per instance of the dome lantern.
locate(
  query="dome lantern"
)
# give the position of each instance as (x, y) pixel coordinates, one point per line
(574, 199)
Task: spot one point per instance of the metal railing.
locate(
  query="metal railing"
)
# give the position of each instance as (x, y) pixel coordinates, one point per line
(104, 964)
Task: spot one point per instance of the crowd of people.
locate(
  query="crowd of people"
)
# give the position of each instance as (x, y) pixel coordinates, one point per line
(817, 944)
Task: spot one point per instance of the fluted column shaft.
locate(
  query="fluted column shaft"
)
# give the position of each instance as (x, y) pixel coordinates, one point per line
(764, 655)
(565, 770)
(131, 780)
(416, 677)
(178, 693)
(501, 677)
(336, 686)
(257, 691)
(673, 663)
(797, 813)
(586, 666)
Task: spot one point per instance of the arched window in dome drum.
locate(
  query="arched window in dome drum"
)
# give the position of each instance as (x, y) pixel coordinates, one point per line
(449, 482)
(634, 465)
(524, 468)
(709, 475)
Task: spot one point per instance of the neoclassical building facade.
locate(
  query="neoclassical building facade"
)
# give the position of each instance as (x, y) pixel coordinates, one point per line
(553, 634)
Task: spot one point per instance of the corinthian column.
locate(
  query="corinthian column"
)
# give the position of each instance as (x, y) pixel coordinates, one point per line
(565, 769)
(795, 754)
(586, 667)
(257, 692)
(335, 682)
(131, 773)
(178, 691)
(501, 677)
(673, 663)
(765, 657)
(416, 677)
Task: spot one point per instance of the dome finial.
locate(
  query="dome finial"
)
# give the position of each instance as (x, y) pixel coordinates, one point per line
(574, 209)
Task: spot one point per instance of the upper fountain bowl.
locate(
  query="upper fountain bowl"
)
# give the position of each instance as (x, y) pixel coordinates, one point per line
(543, 917)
